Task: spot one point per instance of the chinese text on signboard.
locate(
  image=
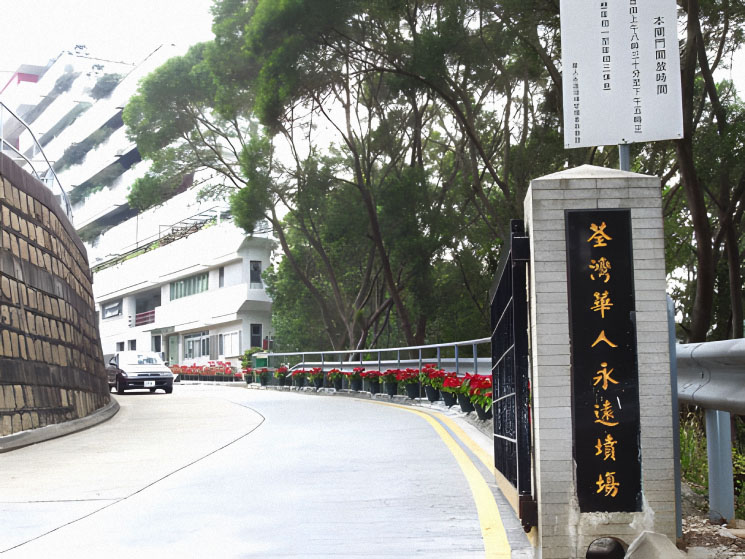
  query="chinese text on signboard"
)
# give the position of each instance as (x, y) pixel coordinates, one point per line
(621, 72)
(605, 380)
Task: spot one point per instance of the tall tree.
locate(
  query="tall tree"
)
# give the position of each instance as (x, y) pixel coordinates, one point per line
(426, 120)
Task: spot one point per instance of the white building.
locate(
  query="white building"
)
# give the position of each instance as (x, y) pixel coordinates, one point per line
(179, 278)
(197, 299)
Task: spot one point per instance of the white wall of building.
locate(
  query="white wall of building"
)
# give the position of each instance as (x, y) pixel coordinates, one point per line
(222, 309)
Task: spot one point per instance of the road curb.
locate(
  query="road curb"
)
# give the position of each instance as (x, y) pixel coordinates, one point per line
(34, 436)
(486, 427)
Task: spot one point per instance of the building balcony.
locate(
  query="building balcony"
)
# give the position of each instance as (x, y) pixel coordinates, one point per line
(211, 307)
(147, 317)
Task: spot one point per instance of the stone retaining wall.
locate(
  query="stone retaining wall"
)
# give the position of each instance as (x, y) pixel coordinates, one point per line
(51, 364)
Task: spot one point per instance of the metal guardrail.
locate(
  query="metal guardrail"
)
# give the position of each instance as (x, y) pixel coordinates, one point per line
(395, 357)
(711, 375)
(48, 177)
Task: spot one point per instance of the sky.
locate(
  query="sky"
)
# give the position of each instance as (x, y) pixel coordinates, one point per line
(33, 31)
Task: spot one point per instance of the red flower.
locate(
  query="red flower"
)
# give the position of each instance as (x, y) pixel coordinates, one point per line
(355, 373)
(389, 375)
(407, 376)
(315, 373)
(452, 382)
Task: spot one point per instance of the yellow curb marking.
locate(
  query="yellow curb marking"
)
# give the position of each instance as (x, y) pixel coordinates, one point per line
(492, 529)
(508, 490)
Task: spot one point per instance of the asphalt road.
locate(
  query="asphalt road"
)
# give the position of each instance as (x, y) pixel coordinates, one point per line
(214, 471)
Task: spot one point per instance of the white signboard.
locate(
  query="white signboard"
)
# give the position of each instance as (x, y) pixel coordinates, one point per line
(621, 72)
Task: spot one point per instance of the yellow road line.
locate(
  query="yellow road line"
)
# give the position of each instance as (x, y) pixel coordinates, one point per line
(507, 488)
(496, 544)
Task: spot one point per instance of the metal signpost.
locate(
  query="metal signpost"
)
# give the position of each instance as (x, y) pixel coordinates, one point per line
(621, 81)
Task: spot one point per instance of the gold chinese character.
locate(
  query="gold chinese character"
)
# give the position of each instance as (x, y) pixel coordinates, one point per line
(607, 448)
(604, 414)
(600, 268)
(607, 485)
(602, 303)
(603, 338)
(604, 376)
(599, 235)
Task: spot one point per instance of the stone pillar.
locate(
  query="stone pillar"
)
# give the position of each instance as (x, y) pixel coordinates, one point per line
(564, 530)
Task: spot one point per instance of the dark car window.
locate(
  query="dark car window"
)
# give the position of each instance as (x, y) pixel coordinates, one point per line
(137, 358)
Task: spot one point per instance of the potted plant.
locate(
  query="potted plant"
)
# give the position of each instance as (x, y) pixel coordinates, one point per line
(409, 379)
(450, 387)
(281, 375)
(355, 378)
(335, 378)
(480, 394)
(465, 402)
(432, 378)
(315, 376)
(248, 375)
(298, 377)
(263, 375)
(388, 379)
(372, 378)
(246, 357)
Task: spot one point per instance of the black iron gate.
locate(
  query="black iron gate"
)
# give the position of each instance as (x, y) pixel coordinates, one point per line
(510, 374)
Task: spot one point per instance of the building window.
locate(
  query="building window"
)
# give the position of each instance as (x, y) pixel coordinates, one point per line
(109, 310)
(120, 346)
(256, 335)
(132, 345)
(255, 274)
(196, 345)
(156, 344)
(189, 286)
(221, 277)
(229, 344)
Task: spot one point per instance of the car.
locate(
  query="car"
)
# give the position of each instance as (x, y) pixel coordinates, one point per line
(128, 370)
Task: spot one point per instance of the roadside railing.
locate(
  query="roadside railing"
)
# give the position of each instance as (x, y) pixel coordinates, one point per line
(40, 169)
(711, 376)
(460, 357)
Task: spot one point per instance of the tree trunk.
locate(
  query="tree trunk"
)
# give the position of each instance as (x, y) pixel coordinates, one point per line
(702, 303)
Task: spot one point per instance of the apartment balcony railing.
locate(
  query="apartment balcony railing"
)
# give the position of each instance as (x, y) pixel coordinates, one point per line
(142, 318)
(41, 169)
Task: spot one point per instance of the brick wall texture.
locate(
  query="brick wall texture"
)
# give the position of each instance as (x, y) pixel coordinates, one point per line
(51, 365)
(564, 532)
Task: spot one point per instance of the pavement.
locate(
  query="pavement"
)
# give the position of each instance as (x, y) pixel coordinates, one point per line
(218, 471)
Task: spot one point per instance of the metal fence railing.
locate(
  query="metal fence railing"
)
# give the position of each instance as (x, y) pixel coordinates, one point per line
(460, 357)
(41, 169)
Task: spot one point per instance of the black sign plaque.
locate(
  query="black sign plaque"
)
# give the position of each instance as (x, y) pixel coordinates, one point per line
(605, 378)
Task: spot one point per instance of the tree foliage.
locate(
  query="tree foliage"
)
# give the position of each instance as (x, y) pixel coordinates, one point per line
(389, 143)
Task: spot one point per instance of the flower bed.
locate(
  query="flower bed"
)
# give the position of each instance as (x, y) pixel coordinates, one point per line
(472, 391)
(214, 373)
